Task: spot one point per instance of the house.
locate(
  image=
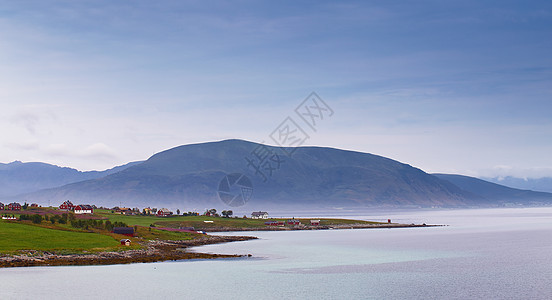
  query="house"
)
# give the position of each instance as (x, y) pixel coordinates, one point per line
(147, 211)
(125, 242)
(293, 222)
(275, 223)
(315, 222)
(67, 205)
(259, 215)
(13, 206)
(124, 211)
(84, 209)
(124, 230)
(164, 212)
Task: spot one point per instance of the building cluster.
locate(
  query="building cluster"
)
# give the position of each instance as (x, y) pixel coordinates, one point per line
(162, 212)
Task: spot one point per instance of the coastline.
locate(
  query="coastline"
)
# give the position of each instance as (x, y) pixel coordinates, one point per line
(155, 251)
(165, 250)
(320, 227)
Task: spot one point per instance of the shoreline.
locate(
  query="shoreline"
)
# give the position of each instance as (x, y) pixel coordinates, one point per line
(320, 227)
(165, 250)
(155, 251)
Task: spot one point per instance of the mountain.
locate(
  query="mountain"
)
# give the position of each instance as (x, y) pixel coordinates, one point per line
(495, 192)
(192, 177)
(188, 177)
(543, 184)
(18, 177)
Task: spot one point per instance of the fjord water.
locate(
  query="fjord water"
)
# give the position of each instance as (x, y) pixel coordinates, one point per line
(483, 254)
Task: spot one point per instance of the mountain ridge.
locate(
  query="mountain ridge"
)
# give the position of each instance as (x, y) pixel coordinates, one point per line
(188, 177)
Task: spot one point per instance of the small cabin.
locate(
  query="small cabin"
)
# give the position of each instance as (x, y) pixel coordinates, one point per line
(125, 242)
(315, 222)
(274, 223)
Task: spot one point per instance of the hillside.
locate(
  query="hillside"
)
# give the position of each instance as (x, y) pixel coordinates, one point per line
(493, 192)
(188, 177)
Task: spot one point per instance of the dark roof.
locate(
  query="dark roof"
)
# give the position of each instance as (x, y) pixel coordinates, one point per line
(85, 207)
(258, 213)
(123, 230)
(125, 240)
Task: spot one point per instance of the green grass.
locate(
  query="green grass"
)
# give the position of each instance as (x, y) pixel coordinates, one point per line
(154, 234)
(17, 236)
(217, 222)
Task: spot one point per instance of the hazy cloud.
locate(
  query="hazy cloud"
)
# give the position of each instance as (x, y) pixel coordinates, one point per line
(26, 119)
(98, 151)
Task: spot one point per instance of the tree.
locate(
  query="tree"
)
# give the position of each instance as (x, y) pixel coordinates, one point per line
(177, 211)
(36, 219)
(227, 213)
(25, 205)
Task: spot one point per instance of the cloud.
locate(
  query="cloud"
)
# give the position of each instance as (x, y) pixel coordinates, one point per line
(23, 145)
(502, 171)
(98, 151)
(27, 120)
(57, 150)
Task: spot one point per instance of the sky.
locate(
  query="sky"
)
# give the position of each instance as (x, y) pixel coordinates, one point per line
(446, 86)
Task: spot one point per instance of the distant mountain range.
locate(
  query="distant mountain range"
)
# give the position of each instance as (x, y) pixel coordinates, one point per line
(189, 177)
(536, 184)
(492, 191)
(19, 178)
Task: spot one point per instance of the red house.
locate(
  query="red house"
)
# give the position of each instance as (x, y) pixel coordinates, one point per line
(164, 212)
(293, 222)
(67, 205)
(275, 223)
(14, 206)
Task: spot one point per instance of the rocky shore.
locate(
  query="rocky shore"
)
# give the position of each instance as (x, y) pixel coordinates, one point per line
(320, 227)
(153, 251)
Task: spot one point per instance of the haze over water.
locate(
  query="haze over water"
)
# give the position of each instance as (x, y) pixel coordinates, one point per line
(491, 254)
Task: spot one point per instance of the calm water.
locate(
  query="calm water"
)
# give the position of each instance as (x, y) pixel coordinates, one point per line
(490, 254)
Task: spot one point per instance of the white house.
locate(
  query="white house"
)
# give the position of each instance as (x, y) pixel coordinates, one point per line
(259, 215)
(84, 209)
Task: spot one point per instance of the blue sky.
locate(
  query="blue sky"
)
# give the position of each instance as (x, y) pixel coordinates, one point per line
(445, 86)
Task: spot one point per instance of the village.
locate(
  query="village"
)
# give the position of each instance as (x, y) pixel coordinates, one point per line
(87, 209)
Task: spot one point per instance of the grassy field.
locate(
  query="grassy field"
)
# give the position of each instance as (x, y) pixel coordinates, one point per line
(198, 222)
(17, 236)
